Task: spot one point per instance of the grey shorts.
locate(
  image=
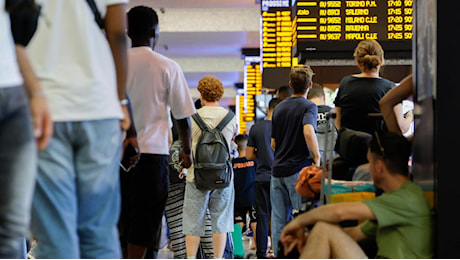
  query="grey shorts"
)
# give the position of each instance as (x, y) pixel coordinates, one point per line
(219, 202)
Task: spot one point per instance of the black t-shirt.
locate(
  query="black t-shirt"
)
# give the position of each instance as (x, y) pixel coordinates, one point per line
(260, 138)
(244, 180)
(357, 97)
(292, 152)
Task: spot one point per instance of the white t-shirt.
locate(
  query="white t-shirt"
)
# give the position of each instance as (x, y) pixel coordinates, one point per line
(73, 61)
(156, 87)
(9, 69)
(212, 117)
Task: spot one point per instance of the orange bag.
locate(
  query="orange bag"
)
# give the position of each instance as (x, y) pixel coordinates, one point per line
(308, 183)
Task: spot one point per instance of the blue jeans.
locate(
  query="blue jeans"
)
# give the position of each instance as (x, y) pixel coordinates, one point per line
(76, 203)
(284, 200)
(18, 162)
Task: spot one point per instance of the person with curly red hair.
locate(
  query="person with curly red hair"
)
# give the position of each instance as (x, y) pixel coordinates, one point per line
(219, 202)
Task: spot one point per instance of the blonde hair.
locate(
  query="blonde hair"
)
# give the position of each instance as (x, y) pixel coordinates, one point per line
(210, 88)
(369, 55)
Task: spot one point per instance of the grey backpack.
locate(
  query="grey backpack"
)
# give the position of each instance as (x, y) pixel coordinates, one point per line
(212, 163)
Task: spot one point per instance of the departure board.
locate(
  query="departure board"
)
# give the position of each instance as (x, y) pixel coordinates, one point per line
(277, 38)
(252, 86)
(338, 25)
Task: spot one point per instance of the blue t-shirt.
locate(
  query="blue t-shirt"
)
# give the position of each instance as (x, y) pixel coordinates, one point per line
(260, 139)
(245, 173)
(292, 152)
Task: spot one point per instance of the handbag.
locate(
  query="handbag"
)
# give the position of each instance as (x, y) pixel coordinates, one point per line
(308, 184)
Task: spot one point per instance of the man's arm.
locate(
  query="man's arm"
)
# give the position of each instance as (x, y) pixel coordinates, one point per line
(331, 213)
(42, 124)
(184, 129)
(391, 99)
(312, 142)
(115, 28)
(131, 137)
(251, 153)
(338, 117)
(273, 144)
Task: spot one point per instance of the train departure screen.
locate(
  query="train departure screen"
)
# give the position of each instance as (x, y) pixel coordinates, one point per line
(277, 38)
(383, 20)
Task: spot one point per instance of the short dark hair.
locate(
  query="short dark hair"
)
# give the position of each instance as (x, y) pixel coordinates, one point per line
(300, 78)
(315, 91)
(284, 92)
(273, 103)
(241, 140)
(141, 19)
(393, 149)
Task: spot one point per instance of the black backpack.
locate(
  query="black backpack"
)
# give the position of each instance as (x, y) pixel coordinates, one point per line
(212, 161)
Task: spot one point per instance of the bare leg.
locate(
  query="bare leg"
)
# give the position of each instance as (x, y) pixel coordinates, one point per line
(219, 240)
(253, 227)
(191, 245)
(330, 241)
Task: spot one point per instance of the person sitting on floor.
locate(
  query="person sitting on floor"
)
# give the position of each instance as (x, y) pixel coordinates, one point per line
(400, 219)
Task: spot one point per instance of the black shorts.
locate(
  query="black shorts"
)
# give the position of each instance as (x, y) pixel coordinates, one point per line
(241, 215)
(144, 191)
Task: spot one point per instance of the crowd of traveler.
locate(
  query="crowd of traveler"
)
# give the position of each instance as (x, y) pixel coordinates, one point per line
(71, 106)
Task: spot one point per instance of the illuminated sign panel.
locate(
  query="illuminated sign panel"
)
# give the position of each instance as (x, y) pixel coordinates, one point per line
(321, 23)
(274, 3)
(277, 38)
(252, 86)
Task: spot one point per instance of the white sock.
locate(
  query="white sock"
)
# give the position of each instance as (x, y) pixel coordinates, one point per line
(191, 257)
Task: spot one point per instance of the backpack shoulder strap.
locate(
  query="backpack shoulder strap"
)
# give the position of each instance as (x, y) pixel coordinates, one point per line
(97, 14)
(225, 121)
(199, 121)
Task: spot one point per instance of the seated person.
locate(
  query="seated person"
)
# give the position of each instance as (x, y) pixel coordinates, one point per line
(245, 175)
(399, 220)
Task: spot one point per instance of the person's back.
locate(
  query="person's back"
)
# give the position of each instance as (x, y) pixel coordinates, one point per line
(77, 73)
(158, 89)
(218, 202)
(260, 139)
(244, 171)
(293, 138)
(82, 70)
(212, 116)
(359, 94)
(259, 147)
(155, 90)
(323, 128)
(291, 153)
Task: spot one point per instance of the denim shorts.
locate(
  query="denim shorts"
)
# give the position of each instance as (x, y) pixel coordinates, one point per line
(219, 202)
